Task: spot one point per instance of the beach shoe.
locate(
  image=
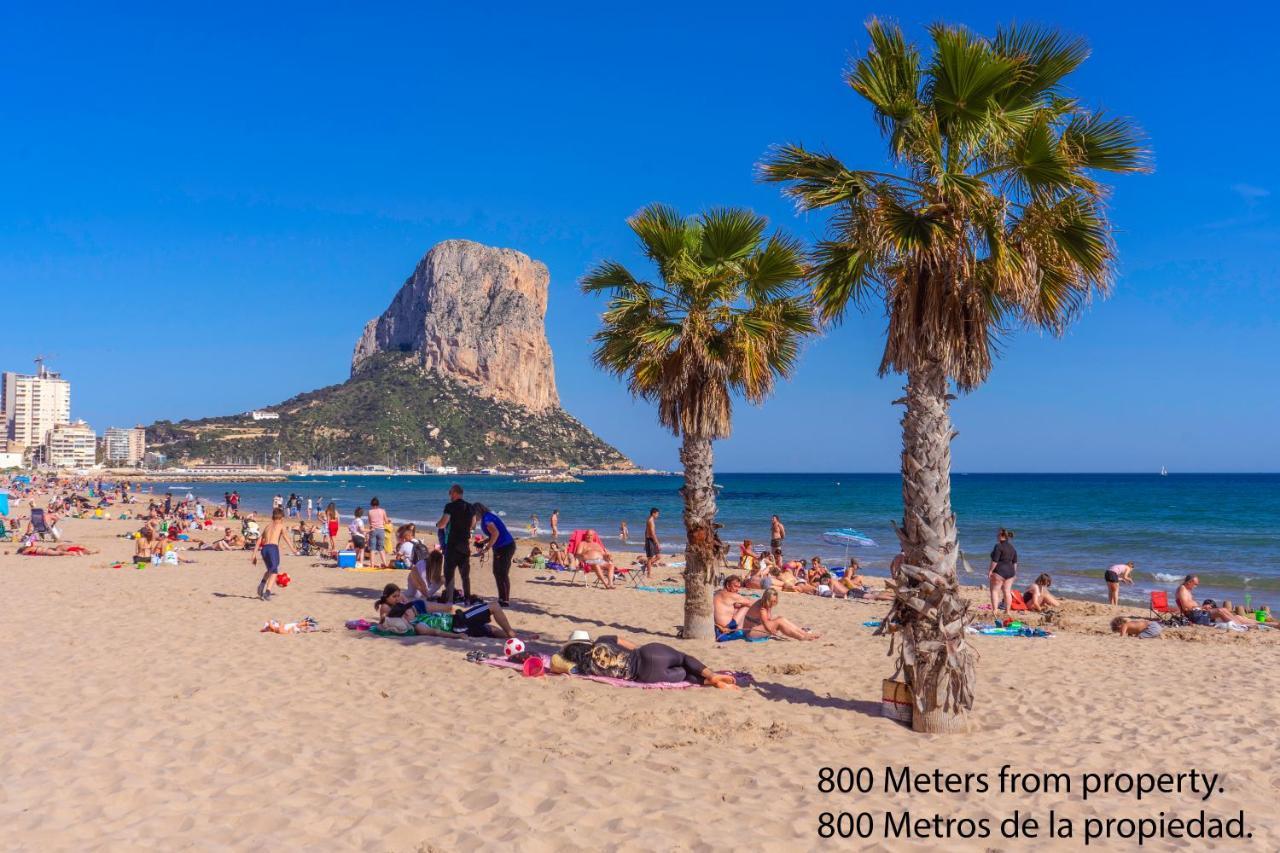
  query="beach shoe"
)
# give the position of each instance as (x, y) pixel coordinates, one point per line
(477, 655)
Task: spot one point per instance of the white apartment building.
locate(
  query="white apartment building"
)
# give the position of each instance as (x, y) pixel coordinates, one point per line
(72, 446)
(32, 405)
(261, 415)
(125, 445)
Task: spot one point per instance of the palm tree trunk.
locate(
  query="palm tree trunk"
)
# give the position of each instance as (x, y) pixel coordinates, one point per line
(934, 656)
(701, 551)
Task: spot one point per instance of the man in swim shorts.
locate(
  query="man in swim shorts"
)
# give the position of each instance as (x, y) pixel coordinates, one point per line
(651, 546)
(777, 532)
(729, 605)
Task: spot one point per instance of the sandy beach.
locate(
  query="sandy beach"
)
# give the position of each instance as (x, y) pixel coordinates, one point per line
(145, 710)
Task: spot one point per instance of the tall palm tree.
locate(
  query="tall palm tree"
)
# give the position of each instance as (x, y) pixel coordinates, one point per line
(989, 217)
(723, 318)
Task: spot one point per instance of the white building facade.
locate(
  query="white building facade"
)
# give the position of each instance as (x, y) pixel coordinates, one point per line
(72, 446)
(125, 445)
(33, 405)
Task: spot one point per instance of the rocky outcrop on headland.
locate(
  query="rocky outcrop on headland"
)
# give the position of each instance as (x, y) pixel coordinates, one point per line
(476, 314)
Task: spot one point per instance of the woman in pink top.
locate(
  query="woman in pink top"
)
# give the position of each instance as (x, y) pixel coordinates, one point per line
(377, 534)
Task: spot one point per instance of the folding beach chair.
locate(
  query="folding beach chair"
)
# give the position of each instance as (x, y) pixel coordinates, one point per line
(40, 525)
(1160, 603)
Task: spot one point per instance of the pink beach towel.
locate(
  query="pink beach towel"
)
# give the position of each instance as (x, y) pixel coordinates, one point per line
(743, 678)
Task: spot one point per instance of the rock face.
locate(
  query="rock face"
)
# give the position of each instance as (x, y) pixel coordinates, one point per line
(476, 314)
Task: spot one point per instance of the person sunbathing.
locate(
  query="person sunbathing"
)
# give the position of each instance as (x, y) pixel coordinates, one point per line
(398, 615)
(728, 606)
(593, 558)
(1037, 597)
(856, 587)
(652, 663)
(1131, 626)
(57, 549)
(1222, 614)
(146, 545)
(760, 621)
(786, 580)
(230, 541)
(747, 557)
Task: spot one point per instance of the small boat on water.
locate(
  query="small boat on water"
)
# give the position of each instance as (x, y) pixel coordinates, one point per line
(1164, 472)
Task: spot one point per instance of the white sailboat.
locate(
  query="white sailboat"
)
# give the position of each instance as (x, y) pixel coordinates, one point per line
(1164, 472)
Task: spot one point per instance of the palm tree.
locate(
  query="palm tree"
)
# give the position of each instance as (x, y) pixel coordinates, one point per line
(724, 318)
(989, 217)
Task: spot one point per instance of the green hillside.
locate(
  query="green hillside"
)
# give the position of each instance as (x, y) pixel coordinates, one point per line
(391, 412)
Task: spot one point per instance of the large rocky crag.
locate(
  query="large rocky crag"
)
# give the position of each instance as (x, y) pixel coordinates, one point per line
(476, 314)
(457, 371)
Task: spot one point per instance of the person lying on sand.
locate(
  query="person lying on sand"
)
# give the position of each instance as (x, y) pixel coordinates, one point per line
(230, 541)
(729, 606)
(57, 549)
(786, 580)
(760, 621)
(593, 558)
(855, 585)
(398, 615)
(1038, 597)
(652, 663)
(1222, 614)
(1143, 629)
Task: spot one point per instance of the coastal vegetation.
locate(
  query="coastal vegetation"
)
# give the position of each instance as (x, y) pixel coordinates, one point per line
(392, 410)
(987, 218)
(725, 316)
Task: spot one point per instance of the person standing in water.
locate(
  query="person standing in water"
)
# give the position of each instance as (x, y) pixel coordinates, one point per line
(533, 525)
(622, 533)
(269, 547)
(1004, 568)
(555, 527)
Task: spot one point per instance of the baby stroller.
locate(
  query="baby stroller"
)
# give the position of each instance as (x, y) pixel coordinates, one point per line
(305, 543)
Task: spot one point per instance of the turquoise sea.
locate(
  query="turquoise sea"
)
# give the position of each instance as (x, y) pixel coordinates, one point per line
(1225, 527)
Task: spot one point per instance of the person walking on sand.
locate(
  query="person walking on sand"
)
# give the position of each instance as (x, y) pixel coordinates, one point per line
(777, 532)
(269, 547)
(377, 534)
(555, 527)
(456, 524)
(1004, 568)
(1114, 576)
(652, 548)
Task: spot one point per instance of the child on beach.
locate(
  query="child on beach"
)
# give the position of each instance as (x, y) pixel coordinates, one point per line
(398, 615)
(269, 546)
(1143, 629)
(1038, 598)
(622, 533)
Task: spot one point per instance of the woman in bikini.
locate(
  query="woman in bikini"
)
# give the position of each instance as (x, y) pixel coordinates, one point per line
(1038, 598)
(760, 621)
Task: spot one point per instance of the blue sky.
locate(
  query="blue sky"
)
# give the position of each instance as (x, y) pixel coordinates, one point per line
(232, 192)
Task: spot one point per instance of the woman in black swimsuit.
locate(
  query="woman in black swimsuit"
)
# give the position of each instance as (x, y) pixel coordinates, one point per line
(1004, 568)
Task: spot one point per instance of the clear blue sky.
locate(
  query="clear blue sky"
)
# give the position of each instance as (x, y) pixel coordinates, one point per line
(231, 192)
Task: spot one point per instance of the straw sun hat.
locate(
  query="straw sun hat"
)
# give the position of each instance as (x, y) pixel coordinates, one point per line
(561, 664)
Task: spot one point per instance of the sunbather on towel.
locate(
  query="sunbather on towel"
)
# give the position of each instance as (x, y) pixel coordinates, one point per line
(398, 615)
(760, 621)
(729, 606)
(652, 663)
(59, 549)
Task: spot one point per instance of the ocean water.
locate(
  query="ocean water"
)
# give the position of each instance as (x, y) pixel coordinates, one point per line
(1224, 527)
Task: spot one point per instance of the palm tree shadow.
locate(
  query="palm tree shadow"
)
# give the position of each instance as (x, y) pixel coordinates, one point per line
(234, 595)
(803, 696)
(352, 592)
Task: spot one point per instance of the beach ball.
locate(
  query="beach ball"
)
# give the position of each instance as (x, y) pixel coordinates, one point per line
(513, 646)
(282, 579)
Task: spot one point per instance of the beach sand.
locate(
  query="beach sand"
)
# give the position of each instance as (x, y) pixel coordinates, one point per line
(143, 709)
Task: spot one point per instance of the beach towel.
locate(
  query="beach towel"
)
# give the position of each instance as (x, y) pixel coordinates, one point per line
(372, 569)
(743, 678)
(1015, 601)
(739, 635)
(993, 631)
(671, 590)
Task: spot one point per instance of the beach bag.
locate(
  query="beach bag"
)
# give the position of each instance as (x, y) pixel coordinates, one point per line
(420, 552)
(896, 701)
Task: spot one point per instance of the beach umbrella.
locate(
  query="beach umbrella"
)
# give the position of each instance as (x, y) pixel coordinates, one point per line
(847, 536)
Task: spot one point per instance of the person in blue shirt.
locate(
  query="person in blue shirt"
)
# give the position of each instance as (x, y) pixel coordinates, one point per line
(503, 546)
